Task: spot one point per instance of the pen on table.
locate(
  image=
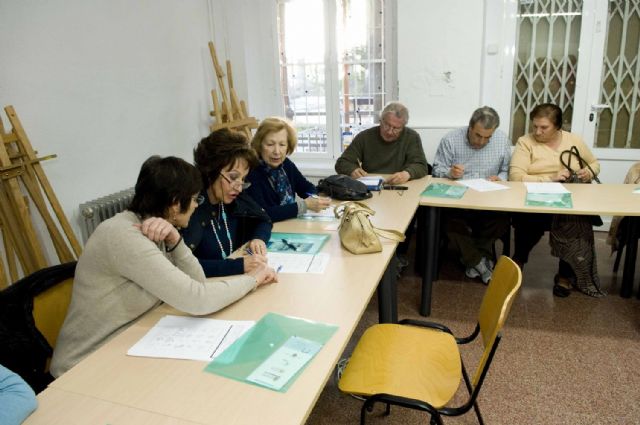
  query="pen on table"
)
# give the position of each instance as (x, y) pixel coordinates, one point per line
(289, 245)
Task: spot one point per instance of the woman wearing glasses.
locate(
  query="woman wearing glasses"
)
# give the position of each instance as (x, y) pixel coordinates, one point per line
(228, 218)
(276, 181)
(137, 259)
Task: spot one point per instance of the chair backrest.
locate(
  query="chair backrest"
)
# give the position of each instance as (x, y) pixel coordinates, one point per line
(495, 307)
(50, 309)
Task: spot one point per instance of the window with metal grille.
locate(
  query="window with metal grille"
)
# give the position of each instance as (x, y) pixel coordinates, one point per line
(332, 70)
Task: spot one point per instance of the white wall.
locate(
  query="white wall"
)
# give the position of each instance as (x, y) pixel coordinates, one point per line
(104, 84)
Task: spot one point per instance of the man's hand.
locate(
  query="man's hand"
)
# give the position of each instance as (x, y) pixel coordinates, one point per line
(358, 172)
(494, 179)
(398, 178)
(457, 171)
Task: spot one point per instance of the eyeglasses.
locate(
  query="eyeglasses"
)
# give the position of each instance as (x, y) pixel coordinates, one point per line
(390, 128)
(236, 182)
(198, 199)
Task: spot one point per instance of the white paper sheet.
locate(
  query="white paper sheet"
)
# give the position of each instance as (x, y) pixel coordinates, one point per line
(550, 187)
(298, 263)
(482, 185)
(325, 214)
(189, 338)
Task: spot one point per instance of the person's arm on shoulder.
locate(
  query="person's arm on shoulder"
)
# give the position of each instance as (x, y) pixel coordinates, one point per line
(416, 162)
(17, 399)
(351, 158)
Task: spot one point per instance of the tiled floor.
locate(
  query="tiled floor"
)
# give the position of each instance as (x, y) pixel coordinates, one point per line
(574, 360)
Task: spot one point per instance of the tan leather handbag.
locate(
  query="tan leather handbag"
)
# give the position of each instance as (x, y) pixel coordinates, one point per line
(357, 234)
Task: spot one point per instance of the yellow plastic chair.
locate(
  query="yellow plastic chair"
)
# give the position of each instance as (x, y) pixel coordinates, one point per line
(50, 309)
(418, 365)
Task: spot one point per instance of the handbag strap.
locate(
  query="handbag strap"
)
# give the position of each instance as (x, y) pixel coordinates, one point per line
(394, 235)
(581, 162)
(354, 207)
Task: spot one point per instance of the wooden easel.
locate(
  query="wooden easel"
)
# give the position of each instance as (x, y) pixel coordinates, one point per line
(228, 110)
(20, 170)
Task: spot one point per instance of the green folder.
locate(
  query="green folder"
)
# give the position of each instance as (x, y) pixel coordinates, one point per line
(274, 352)
(297, 243)
(441, 190)
(557, 200)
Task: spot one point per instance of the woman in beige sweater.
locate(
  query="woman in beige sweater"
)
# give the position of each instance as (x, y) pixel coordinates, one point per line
(537, 158)
(137, 259)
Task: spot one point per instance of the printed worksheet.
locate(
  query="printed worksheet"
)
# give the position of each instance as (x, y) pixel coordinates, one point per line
(550, 187)
(189, 338)
(482, 185)
(298, 263)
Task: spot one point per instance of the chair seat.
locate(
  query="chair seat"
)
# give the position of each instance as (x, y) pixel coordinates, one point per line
(407, 361)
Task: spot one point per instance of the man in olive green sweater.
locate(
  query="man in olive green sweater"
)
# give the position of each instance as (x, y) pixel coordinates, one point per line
(390, 148)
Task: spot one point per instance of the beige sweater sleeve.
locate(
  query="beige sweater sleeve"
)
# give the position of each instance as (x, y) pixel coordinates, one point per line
(177, 279)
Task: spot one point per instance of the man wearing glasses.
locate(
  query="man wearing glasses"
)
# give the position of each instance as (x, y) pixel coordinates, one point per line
(390, 148)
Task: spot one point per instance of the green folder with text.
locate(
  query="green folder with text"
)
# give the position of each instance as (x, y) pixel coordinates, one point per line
(556, 200)
(441, 190)
(274, 352)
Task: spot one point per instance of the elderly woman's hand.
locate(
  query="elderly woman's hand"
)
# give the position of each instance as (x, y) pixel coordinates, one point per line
(317, 203)
(264, 275)
(561, 176)
(158, 229)
(584, 175)
(257, 246)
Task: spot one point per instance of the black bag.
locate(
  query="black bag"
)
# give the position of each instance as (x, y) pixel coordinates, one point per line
(343, 188)
(596, 220)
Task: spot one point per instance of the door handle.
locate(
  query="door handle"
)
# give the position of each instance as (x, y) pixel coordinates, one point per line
(597, 107)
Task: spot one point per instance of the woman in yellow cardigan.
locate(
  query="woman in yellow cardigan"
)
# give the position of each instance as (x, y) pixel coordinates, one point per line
(537, 158)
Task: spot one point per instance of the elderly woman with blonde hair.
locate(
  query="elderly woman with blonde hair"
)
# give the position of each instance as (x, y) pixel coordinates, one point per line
(276, 180)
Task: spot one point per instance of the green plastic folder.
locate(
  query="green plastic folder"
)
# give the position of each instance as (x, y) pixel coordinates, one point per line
(296, 243)
(441, 190)
(557, 200)
(274, 352)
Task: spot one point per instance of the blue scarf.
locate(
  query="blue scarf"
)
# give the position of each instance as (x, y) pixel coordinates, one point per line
(280, 183)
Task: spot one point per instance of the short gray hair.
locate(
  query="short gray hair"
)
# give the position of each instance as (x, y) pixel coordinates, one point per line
(486, 116)
(396, 108)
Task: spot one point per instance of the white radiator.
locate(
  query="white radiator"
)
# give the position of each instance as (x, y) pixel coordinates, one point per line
(95, 212)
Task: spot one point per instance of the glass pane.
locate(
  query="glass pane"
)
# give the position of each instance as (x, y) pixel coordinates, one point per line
(302, 70)
(360, 39)
(619, 127)
(546, 59)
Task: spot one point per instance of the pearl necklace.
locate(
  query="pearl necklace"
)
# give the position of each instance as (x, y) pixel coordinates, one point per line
(223, 214)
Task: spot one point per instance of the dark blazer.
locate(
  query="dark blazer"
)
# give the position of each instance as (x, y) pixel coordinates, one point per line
(246, 220)
(265, 195)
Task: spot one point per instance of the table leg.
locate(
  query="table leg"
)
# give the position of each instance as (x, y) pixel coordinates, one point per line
(388, 293)
(631, 248)
(419, 258)
(430, 234)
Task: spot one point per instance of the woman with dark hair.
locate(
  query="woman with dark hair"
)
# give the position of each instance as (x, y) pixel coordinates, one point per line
(135, 260)
(537, 158)
(276, 181)
(229, 218)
